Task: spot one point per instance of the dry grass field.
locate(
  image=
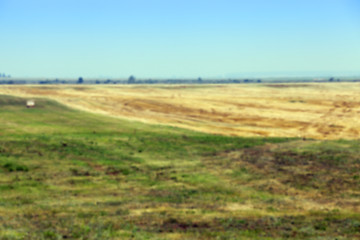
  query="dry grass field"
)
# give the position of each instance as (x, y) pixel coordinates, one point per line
(312, 110)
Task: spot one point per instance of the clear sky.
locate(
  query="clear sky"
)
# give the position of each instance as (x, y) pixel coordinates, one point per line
(177, 38)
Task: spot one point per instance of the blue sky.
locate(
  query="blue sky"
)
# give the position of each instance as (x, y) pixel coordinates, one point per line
(177, 38)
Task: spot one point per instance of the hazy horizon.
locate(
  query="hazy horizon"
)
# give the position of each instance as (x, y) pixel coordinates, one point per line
(264, 75)
(179, 39)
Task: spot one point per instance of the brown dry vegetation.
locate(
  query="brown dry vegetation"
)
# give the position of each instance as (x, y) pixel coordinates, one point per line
(314, 110)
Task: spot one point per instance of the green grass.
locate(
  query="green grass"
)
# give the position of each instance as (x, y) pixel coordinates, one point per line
(66, 174)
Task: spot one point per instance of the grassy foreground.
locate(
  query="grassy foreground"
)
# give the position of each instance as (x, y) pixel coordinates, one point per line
(66, 174)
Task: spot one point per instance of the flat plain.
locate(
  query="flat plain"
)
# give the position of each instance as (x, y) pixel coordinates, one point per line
(285, 166)
(311, 110)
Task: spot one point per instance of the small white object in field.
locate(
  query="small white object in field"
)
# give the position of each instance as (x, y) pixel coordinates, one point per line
(30, 103)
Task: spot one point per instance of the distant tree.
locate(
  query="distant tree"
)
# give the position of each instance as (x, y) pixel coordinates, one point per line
(97, 82)
(259, 80)
(199, 80)
(80, 80)
(131, 79)
(331, 79)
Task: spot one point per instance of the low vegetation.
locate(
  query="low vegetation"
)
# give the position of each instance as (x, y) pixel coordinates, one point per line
(66, 174)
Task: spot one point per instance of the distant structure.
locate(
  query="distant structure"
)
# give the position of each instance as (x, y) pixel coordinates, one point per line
(30, 103)
(131, 80)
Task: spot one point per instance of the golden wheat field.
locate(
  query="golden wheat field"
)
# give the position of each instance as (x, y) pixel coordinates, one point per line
(311, 110)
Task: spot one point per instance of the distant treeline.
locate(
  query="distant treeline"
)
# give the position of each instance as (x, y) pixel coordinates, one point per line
(13, 82)
(133, 80)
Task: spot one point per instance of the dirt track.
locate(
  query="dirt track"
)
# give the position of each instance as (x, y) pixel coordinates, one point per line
(321, 111)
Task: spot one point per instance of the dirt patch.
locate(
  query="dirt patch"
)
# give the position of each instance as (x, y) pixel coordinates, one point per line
(326, 171)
